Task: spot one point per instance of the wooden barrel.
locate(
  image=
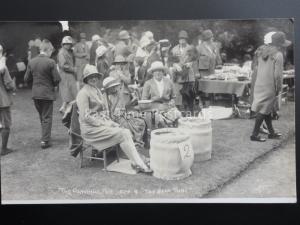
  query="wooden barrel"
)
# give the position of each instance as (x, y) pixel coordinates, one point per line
(200, 132)
(171, 154)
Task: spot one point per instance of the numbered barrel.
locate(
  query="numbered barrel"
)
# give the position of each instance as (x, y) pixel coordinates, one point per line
(200, 131)
(171, 154)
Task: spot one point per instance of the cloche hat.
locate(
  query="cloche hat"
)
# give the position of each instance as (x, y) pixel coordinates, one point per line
(88, 71)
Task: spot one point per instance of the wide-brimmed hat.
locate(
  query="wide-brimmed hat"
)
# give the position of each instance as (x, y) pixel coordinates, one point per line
(96, 37)
(183, 35)
(279, 39)
(82, 36)
(207, 34)
(90, 70)
(101, 50)
(157, 65)
(109, 82)
(124, 35)
(119, 59)
(67, 40)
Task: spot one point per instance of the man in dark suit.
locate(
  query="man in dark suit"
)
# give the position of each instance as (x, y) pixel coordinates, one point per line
(42, 70)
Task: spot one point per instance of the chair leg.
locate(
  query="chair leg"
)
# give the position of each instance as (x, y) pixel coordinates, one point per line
(81, 158)
(117, 153)
(104, 160)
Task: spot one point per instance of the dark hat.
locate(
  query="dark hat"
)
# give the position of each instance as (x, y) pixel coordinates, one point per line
(279, 39)
(207, 34)
(183, 34)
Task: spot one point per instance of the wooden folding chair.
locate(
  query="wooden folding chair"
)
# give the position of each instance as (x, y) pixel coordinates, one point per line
(95, 157)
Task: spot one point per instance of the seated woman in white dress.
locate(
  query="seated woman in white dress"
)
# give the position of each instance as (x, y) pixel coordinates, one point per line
(96, 126)
(160, 90)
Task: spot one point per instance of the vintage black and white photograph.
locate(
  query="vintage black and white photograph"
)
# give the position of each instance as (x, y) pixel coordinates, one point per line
(147, 111)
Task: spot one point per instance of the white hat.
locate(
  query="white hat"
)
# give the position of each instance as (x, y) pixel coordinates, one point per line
(157, 65)
(109, 82)
(67, 40)
(89, 70)
(96, 37)
(268, 38)
(101, 50)
(145, 41)
(149, 34)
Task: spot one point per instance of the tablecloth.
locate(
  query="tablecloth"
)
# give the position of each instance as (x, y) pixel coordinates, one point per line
(223, 86)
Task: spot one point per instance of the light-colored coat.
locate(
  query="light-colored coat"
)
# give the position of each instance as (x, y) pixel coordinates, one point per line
(268, 82)
(67, 86)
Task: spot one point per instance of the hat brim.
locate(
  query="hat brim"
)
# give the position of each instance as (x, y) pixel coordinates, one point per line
(183, 37)
(151, 70)
(124, 38)
(286, 43)
(85, 79)
(112, 85)
(123, 62)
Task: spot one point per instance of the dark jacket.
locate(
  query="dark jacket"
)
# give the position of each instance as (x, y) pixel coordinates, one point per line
(43, 71)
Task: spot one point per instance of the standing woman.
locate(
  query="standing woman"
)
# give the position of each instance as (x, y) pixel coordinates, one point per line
(268, 84)
(67, 86)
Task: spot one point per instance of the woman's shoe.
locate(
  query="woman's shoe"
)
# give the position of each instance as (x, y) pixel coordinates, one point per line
(139, 169)
(274, 136)
(257, 138)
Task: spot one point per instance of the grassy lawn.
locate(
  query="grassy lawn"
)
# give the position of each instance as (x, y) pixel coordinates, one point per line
(31, 173)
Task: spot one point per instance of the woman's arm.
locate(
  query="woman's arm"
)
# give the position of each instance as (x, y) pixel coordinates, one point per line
(146, 91)
(8, 82)
(278, 70)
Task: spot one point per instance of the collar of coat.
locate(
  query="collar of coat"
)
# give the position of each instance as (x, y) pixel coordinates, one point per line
(266, 51)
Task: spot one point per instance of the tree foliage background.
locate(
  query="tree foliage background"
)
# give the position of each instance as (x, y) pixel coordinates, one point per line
(236, 36)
